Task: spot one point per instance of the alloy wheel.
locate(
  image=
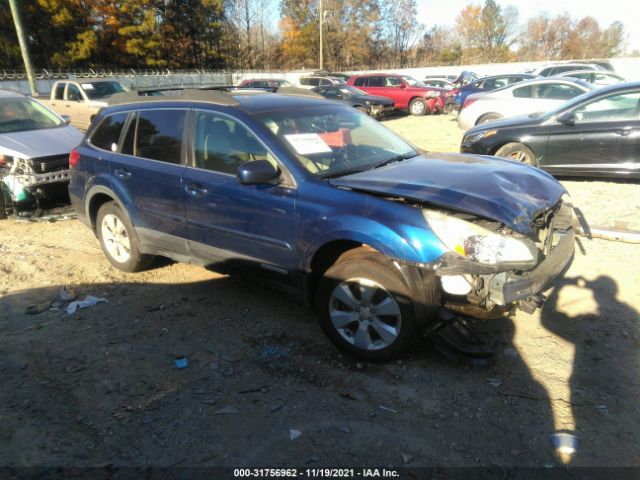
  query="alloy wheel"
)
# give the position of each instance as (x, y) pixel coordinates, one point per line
(116, 238)
(365, 314)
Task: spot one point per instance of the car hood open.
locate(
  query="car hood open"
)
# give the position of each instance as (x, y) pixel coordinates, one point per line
(490, 187)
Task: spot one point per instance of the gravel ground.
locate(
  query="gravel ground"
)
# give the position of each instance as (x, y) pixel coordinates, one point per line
(100, 387)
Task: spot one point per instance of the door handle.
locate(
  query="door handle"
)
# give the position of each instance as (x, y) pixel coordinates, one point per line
(195, 189)
(122, 173)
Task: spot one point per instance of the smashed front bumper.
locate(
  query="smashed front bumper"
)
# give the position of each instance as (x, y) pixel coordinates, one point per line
(377, 110)
(492, 290)
(509, 287)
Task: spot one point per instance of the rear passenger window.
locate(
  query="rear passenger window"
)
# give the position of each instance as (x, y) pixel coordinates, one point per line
(108, 132)
(376, 81)
(556, 91)
(157, 135)
(59, 95)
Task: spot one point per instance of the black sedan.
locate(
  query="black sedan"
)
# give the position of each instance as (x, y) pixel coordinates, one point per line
(370, 104)
(595, 134)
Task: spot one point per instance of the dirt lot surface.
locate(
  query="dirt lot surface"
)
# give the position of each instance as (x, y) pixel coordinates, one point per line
(101, 386)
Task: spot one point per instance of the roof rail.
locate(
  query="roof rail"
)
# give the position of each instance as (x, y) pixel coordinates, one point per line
(147, 95)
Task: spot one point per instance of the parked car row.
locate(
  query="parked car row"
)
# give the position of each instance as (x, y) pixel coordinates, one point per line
(386, 91)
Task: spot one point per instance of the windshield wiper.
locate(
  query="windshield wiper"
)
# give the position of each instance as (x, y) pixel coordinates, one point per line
(342, 173)
(396, 159)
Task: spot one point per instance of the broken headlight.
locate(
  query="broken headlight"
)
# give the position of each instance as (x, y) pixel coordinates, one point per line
(479, 244)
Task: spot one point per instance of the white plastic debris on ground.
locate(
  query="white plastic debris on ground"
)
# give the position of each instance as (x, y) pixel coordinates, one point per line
(89, 301)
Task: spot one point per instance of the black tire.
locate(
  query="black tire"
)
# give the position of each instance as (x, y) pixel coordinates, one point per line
(518, 152)
(3, 206)
(418, 107)
(489, 117)
(365, 264)
(136, 261)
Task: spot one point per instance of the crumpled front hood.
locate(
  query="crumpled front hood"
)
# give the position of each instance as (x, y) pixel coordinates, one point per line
(495, 188)
(40, 143)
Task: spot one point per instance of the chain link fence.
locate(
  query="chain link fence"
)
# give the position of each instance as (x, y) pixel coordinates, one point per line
(16, 80)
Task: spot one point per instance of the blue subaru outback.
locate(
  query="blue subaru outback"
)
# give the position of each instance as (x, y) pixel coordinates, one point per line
(382, 236)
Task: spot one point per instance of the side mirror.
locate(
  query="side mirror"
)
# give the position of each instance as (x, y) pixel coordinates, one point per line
(257, 172)
(66, 119)
(402, 85)
(567, 118)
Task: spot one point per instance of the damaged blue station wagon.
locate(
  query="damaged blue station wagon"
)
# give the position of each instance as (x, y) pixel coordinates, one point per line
(310, 192)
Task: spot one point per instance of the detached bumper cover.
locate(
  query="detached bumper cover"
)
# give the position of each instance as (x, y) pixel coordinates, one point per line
(508, 287)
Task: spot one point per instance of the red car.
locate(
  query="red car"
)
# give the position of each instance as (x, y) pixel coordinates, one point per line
(406, 92)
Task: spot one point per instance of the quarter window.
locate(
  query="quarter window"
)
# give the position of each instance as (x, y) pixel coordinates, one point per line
(108, 132)
(359, 82)
(222, 144)
(157, 135)
(522, 92)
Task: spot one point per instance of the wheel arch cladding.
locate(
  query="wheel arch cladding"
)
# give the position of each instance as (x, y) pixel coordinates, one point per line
(95, 202)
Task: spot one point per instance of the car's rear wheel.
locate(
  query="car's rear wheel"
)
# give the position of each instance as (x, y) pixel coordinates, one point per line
(489, 117)
(3, 205)
(364, 306)
(417, 107)
(518, 152)
(118, 239)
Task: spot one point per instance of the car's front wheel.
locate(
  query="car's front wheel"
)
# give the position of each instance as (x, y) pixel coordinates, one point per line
(118, 239)
(417, 107)
(517, 151)
(364, 306)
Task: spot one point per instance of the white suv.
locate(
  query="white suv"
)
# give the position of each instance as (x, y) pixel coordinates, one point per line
(313, 81)
(556, 68)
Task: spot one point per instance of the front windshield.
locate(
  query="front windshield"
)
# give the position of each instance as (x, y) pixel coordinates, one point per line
(350, 91)
(95, 90)
(18, 114)
(332, 141)
(412, 81)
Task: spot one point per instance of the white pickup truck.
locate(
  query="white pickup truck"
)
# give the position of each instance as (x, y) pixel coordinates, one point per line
(80, 100)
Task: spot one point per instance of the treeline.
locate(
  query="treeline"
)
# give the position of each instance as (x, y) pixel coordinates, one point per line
(242, 34)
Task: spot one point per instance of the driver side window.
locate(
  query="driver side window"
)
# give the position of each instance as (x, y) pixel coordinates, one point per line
(73, 93)
(221, 144)
(392, 82)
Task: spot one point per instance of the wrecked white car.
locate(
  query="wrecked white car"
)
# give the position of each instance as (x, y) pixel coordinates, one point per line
(34, 153)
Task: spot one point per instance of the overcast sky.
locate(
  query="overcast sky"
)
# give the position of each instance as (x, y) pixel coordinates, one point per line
(444, 12)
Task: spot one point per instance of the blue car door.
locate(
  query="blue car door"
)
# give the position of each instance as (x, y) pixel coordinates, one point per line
(228, 221)
(147, 176)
